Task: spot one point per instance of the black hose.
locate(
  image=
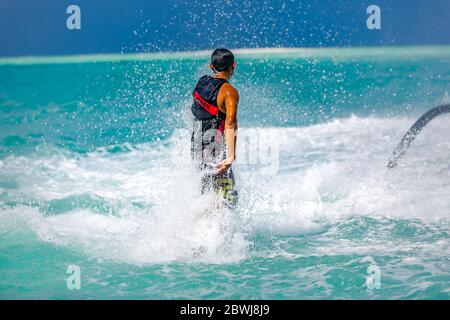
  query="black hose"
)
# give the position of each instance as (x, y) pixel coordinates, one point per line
(414, 131)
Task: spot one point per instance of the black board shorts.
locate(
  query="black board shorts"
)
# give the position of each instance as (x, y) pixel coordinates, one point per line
(205, 158)
(223, 184)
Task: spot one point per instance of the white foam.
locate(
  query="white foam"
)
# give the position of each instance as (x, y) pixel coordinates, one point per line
(327, 172)
(339, 168)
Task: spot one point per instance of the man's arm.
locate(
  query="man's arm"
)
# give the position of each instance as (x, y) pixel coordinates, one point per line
(231, 103)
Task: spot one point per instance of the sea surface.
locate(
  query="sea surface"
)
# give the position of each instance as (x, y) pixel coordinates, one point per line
(96, 176)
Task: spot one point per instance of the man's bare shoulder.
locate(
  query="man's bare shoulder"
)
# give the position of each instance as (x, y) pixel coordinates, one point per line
(228, 89)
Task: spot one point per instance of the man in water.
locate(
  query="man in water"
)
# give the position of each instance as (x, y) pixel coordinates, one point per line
(213, 142)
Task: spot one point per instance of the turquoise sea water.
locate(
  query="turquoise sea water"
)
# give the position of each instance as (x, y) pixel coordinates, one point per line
(95, 172)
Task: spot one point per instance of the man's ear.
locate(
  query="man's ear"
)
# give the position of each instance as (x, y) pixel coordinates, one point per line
(233, 66)
(212, 67)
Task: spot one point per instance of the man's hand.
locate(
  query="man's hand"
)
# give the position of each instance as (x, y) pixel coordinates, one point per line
(224, 165)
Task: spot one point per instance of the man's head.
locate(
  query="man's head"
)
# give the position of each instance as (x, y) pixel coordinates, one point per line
(222, 60)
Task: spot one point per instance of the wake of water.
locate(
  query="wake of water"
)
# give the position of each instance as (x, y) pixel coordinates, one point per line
(143, 206)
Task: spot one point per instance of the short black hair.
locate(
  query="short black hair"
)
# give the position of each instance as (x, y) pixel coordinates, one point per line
(222, 59)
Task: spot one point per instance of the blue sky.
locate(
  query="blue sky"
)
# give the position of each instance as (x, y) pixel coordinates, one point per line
(38, 27)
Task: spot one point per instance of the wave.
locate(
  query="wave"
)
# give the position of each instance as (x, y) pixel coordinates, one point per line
(143, 205)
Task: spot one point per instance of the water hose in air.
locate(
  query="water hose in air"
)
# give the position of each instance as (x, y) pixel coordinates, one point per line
(412, 133)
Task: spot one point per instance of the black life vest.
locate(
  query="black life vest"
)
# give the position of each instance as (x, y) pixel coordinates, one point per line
(205, 95)
(207, 117)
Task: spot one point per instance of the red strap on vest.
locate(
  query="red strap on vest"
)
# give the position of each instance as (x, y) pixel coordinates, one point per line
(205, 105)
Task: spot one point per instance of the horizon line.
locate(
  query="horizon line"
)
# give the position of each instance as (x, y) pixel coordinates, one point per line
(294, 52)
